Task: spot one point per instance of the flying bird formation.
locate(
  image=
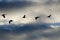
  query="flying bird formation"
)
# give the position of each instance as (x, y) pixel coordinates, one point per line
(3, 15)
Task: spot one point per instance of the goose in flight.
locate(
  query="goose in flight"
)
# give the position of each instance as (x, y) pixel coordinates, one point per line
(37, 17)
(24, 16)
(49, 16)
(10, 21)
(3, 15)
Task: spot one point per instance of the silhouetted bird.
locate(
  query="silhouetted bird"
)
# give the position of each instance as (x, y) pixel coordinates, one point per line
(37, 17)
(24, 16)
(3, 15)
(10, 21)
(49, 16)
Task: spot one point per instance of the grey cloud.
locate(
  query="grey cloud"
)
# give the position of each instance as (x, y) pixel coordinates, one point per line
(14, 30)
(21, 4)
(49, 2)
(55, 35)
(29, 32)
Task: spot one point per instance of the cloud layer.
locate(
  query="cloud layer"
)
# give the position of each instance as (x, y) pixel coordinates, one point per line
(30, 29)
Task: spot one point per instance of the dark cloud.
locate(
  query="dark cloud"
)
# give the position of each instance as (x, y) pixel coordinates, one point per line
(33, 31)
(14, 5)
(17, 29)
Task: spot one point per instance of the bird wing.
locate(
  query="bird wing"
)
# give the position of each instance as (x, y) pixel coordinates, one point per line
(3, 16)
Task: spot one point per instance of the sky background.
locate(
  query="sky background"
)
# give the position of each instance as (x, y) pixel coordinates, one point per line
(30, 29)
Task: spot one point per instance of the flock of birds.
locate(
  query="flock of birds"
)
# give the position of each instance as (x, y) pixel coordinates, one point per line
(3, 15)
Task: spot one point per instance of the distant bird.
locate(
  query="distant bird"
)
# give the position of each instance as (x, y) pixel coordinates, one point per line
(10, 21)
(37, 17)
(24, 16)
(49, 16)
(3, 15)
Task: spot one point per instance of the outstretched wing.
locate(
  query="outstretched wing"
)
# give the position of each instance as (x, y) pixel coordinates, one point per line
(3, 15)
(49, 16)
(24, 16)
(36, 18)
(10, 21)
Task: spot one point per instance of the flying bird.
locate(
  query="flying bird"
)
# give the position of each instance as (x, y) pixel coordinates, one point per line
(3, 15)
(24, 16)
(49, 16)
(37, 17)
(10, 21)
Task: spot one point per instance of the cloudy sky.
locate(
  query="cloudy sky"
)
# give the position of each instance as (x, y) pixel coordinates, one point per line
(28, 28)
